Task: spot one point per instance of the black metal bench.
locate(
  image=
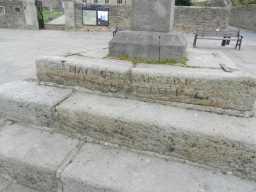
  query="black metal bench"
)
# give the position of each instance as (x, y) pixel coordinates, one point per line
(224, 36)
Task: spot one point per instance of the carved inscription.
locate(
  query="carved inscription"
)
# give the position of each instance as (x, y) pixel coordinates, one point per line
(168, 89)
(92, 78)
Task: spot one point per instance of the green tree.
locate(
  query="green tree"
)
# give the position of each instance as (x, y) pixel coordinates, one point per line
(183, 2)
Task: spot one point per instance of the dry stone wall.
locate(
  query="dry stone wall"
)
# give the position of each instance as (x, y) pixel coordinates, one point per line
(244, 17)
(201, 18)
(186, 18)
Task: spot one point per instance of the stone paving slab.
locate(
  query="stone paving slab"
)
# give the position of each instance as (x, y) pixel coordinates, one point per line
(98, 168)
(30, 103)
(33, 156)
(220, 141)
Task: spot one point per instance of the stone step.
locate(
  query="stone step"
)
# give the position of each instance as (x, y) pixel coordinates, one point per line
(29, 103)
(33, 156)
(12, 186)
(49, 162)
(206, 89)
(220, 141)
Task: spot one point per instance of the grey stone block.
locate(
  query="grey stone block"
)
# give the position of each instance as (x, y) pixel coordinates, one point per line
(201, 85)
(33, 156)
(97, 74)
(223, 142)
(99, 168)
(151, 15)
(210, 90)
(28, 102)
(148, 45)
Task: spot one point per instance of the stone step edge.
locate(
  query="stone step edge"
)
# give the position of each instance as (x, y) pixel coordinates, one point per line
(75, 181)
(201, 137)
(143, 83)
(169, 137)
(214, 110)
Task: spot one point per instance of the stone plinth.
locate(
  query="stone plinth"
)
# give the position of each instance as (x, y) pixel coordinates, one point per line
(196, 86)
(149, 46)
(149, 39)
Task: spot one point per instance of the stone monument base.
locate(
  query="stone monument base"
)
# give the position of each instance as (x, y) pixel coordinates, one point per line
(149, 46)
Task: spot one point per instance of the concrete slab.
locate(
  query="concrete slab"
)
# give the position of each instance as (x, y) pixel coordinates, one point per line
(18, 188)
(33, 156)
(221, 141)
(98, 168)
(30, 103)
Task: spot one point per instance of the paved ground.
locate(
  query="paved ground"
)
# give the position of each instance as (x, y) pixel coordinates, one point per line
(58, 21)
(19, 49)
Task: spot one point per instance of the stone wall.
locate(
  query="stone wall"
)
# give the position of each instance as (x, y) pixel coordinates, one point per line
(52, 4)
(186, 18)
(244, 17)
(201, 18)
(18, 14)
(118, 16)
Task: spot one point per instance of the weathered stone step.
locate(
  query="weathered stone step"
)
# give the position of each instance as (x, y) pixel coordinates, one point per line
(11, 186)
(29, 103)
(33, 156)
(220, 141)
(50, 162)
(191, 87)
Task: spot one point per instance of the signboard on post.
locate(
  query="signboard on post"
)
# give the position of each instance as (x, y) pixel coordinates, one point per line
(97, 15)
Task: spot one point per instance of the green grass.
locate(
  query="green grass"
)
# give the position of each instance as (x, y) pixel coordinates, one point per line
(50, 15)
(181, 61)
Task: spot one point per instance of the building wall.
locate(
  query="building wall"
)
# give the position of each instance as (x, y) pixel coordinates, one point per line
(18, 14)
(110, 2)
(244, 17)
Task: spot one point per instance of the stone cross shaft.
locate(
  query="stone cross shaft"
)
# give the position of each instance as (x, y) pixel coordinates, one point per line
(151, 15)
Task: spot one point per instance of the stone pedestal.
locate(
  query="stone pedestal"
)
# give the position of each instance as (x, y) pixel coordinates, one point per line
(148, 46)
(150, 38)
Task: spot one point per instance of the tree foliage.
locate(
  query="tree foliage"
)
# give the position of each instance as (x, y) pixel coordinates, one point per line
(183, 2)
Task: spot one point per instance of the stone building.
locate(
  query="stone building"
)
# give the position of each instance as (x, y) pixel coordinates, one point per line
(18, 14)
(108, 2)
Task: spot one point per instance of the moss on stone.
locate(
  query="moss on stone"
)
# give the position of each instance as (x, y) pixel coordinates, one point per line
(182, 61)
